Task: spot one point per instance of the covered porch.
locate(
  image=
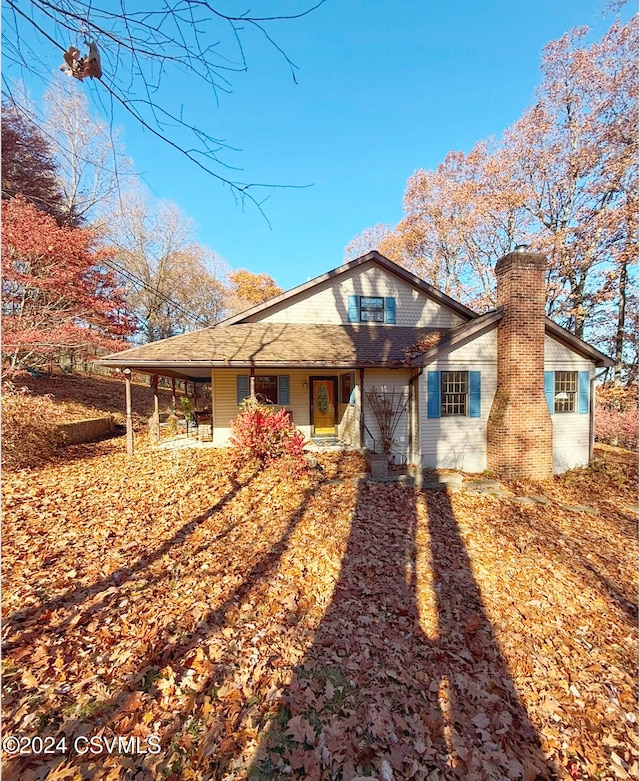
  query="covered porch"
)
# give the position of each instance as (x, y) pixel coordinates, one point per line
(322, 375)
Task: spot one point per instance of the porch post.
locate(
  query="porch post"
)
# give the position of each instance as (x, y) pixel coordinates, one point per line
(252, 383)
(156, 409)
(173, 394)
(127, 390)
(361, 409)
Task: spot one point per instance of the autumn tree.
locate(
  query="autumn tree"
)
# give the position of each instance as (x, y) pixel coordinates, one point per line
(174, 284)
(28, 167)
(563, 179)
(247, 289)
(574, 154)
(57, 294)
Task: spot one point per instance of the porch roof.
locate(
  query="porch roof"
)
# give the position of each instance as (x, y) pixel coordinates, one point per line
(277, 345)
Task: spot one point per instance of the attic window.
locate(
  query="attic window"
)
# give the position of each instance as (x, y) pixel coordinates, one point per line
(371, 309)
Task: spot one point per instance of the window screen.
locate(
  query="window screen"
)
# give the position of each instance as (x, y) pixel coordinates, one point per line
(372, 309)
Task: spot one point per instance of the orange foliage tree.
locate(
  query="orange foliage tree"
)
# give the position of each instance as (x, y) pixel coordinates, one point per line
(564, 179)
(247, 289)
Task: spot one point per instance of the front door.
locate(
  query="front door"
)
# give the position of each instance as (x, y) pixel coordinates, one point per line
(323, 404)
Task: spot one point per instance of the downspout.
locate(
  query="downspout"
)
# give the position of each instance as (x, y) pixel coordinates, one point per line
(361, 371)
(592, 410)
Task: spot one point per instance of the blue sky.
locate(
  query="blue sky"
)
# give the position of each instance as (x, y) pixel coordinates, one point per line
(384, 88)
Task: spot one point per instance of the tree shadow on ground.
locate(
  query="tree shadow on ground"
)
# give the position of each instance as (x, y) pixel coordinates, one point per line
(405, 678)
(172, 646)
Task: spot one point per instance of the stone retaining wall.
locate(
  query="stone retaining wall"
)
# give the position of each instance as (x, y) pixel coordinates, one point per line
(86, 430)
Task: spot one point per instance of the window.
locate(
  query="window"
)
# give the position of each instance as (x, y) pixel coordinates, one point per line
(371, 309)
(270, 388)
(454, 393)
(347, 386)
(565, 391)
(454, 389)
(267, 388)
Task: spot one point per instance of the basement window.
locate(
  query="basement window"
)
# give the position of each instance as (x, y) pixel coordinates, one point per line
(454, 393)
(566, 386)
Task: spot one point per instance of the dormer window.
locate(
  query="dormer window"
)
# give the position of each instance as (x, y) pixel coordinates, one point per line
(372, 309)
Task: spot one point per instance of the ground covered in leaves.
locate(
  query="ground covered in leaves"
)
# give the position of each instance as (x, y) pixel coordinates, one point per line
(165, 617)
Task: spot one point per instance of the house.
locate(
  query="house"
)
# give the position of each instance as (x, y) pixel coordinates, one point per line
(509, 391)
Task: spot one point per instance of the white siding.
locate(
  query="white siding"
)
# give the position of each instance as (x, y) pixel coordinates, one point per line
(571, 430)
(460, 442)
(328, 302)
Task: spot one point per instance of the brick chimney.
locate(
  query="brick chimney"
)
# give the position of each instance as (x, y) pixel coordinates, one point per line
(519, 429)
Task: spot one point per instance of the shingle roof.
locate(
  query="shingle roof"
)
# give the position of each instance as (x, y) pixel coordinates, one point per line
(271, 344)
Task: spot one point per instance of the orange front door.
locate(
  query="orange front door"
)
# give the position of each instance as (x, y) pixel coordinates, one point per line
(324, 406)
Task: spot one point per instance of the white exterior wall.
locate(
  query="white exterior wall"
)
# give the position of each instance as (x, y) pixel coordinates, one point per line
(460, 442)
(388, 380)
(571, 430)
(328, 303)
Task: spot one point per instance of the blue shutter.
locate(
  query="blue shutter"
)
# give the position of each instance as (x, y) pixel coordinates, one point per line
(354, 309)
(583, 392)
(283, 389)
(474, 394)
(390, 310)
(433, 388)
(550, 389)
(242, 387)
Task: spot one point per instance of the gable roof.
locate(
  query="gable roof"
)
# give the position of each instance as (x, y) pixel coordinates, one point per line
(291, 345)
(371, 257)
(456, 337)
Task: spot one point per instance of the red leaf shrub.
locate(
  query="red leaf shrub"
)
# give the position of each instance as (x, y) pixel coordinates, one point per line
(262, 434)
(617, 415)
(617, 426)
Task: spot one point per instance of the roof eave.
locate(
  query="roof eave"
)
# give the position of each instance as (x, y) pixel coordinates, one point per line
(375, 256)
(575, 343)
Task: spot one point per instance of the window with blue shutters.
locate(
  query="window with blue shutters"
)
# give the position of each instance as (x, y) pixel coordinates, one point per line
(453, 394)
(567, 391)
(270, 388)
(371, 309)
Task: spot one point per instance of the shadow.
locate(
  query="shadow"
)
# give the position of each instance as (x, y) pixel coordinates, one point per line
(575, 547)
(405, 677)
(73, 599)
(174, 642)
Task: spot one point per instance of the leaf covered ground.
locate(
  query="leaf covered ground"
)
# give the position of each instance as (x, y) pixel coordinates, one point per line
(322, 628)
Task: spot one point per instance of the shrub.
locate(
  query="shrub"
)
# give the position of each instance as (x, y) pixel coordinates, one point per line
(262, 434)
(30, 434)
(617, 426)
